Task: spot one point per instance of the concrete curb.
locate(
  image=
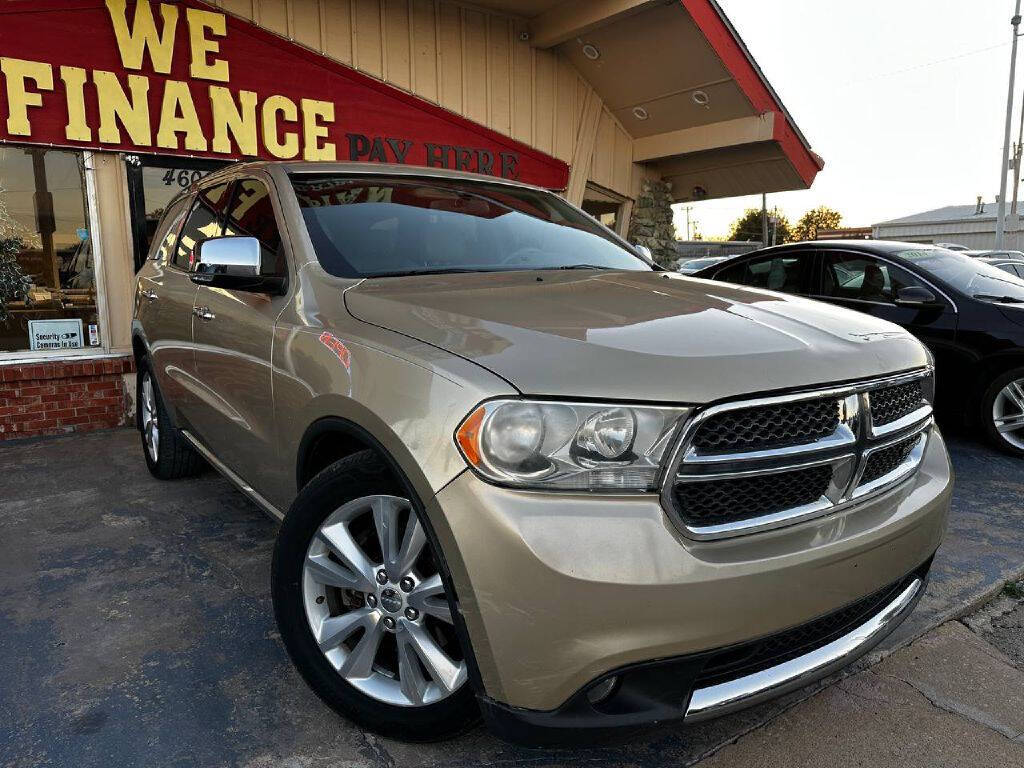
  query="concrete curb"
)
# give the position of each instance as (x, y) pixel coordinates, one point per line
(876, 656)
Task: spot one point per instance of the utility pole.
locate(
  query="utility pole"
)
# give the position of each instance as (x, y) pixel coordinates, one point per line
(1018, 150)
(688, 208)
(1001, 213)
(764, 215)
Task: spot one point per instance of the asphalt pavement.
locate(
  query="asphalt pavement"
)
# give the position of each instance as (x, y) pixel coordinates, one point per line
(137, 630)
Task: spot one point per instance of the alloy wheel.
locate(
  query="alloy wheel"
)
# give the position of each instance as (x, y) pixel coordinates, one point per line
(150, 418)
(1008, 413)
(376, 604)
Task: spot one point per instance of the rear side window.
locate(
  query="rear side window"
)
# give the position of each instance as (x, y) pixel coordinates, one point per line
(784, 272)
(251, 214)
(204, 221)
(170, 226)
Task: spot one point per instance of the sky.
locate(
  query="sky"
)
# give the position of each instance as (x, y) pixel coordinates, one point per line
(904, 99)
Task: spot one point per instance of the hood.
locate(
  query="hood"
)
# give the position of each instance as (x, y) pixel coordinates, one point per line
(643, 336)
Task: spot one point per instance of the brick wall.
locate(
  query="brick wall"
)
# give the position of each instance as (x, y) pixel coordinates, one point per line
(63, 396)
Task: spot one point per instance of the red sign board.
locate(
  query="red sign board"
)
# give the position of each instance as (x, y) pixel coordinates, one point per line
(182, 78)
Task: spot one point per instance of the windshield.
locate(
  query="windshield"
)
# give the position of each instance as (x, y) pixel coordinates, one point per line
(970, 276)
(366, 227)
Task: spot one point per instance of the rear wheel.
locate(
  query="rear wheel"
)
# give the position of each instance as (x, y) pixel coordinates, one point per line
(168, 454)
(1002, 412)
(362, 607)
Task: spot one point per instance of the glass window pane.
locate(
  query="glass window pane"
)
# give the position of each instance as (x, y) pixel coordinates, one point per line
(204, 221)
(160, 186)
(47, 268)
(252, 215)
(371, 228)
(162, 250)
(862, 278)
(785, 273)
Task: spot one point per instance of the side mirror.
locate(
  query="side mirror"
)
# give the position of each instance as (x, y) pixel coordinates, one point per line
(232, 262)
(917, 297)
(644, 251)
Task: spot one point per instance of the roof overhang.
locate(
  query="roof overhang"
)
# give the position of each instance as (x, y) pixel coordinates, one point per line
(714, 125)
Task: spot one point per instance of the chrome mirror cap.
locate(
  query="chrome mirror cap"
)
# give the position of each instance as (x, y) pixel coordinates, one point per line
(226, 257)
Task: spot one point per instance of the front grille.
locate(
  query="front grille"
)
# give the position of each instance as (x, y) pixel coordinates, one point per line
(881, 463)
(750, 466)
(750, 429)
(748, 658)
(715, 502)
(893, 403)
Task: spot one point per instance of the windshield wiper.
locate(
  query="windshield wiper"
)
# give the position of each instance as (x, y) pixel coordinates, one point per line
(999, 299)
(584, 266)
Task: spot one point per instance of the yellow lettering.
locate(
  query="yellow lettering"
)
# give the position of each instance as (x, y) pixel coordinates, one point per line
(19, 98)
(202, 47)
(77, 128)
(178, 115)
(132, 43)
(239, 122)
(115, 106)
(313, 131)
(277, 108)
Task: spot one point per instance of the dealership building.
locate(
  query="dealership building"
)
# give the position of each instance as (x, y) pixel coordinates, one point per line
(109, 108)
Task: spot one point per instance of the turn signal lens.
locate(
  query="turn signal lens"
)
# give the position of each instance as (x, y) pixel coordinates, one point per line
(468, 436)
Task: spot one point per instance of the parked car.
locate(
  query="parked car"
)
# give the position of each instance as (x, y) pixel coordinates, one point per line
(1008, 255)
(952, 246)
(1010, 266)
(522, 471)
(689, 266)
(968, 312)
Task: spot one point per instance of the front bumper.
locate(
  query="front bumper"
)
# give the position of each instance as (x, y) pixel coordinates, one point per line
(561, 590)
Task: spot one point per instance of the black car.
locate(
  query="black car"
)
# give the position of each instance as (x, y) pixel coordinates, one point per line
(969, 313)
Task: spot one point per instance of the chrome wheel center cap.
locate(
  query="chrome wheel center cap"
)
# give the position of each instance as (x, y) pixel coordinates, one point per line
(390, 600)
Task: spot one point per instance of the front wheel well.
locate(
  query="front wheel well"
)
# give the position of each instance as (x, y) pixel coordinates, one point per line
(329, 441)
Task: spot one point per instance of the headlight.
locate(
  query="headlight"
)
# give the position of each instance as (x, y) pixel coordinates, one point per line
(570, 446)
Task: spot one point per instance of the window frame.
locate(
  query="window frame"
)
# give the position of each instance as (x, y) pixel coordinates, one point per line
(105, 348)
(268, 184)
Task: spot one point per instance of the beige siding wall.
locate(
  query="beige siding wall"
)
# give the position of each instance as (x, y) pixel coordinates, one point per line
(470, 61)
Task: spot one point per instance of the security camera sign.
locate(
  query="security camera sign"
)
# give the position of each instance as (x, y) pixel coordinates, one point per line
(55, 334)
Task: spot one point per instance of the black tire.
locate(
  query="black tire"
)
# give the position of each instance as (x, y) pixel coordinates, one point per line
(357, 476)
(988, 401)
(175, 458)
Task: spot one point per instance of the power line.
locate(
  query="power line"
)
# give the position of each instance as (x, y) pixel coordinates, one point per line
(926, 64)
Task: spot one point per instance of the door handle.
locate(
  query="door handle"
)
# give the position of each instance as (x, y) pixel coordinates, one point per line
(203, 313)
(149, 295)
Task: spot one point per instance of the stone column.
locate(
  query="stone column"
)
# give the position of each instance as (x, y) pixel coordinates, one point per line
(652, 225)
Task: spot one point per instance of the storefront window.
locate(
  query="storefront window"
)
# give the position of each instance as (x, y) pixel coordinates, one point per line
(47, 266)
(152, 183)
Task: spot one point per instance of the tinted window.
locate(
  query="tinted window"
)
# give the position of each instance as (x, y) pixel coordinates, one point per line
(863, 278)
(1008, 268)
(251, 214)
(970, 276)
(170, 226)
(203, 221)
(785, 272)
(372, 228)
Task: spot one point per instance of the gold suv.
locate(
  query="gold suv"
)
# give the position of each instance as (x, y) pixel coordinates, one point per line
(521, 471)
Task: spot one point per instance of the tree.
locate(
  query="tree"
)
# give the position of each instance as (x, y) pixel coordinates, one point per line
(748, 227)
(14, 283)
(816, 219)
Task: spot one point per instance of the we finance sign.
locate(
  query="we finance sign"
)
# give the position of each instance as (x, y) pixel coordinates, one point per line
(183, 78)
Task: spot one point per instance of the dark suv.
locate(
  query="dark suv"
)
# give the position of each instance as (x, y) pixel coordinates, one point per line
(970, 314)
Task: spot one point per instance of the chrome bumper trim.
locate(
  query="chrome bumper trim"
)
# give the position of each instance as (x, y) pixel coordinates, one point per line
(723, 698)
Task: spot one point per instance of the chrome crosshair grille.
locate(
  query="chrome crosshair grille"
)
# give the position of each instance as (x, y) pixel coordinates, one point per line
(759, 464)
